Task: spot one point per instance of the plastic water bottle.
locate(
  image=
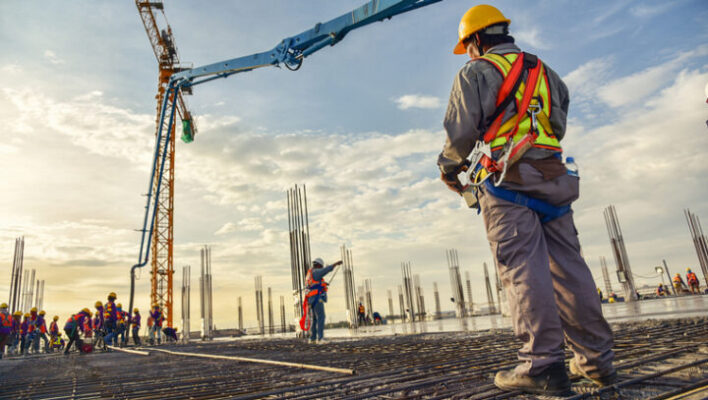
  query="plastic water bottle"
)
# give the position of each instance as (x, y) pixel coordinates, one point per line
(571, 166)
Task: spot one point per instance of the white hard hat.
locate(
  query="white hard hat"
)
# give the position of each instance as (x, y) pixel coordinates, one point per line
(318, 261)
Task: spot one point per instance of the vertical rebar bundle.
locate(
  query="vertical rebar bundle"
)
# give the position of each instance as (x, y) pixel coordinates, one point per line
(458, 295)
(470, 308)
(186, 289)
(606, 276)
(401, 303)
(282, 314)
(259, 304)
(668, 274)
(699, 241)
(390, 305)
(299, 232)
(205, 290)
(270, 312)
(490, 296)
(408, 290)
(420, 300)
(16, 275)
(240, 314)
(350, 301)
(624, 272)
(369, 302)
(41, 296)
(28, 293)
(436, 294)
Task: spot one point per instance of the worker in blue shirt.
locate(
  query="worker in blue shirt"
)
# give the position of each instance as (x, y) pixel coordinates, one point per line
(317, 296)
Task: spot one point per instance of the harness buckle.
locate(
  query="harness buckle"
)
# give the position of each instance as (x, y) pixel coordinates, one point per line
(533, 110)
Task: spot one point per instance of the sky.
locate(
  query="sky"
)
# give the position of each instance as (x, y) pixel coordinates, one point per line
(360, 124)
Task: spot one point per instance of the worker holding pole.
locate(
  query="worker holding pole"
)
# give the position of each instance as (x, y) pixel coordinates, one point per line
(507, 113)
(315, 299)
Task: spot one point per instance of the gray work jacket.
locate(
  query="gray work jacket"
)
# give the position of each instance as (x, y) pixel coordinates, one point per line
(473, 100)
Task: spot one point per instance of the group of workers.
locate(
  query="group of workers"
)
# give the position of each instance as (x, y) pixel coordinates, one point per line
(108, 326)
(694, 286)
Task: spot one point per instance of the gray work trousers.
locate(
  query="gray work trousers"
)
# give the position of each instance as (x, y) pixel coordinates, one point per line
(318, 320)
(551, 292)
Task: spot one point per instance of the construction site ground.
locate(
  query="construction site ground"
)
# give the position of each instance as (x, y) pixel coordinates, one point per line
(655, 359)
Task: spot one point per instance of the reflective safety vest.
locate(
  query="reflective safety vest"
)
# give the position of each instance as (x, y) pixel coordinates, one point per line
(5, 320)
(510, 66)
(692, 278)
(53, 328)
(316, 287)
(361, 309)
(677, 280)
(32, 323)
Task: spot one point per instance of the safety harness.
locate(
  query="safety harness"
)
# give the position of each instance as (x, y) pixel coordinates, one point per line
(504, 143)
(315, 290)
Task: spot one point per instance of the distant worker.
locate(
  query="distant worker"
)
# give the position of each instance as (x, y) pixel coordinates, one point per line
(361, 315)
(377, 319)
(5, 327)
(16, 333)
(612, 297)
(135, 326)
(32, 331)
(679, 286)
(317, 296)
(692, 280)
(57, 342)
(121, 326)
(110, 320)
(156, 328)
(99, 328)
(24, 333)
(74, 327)
(507, 105)
(661, 290)
(41, 333)
(599, 293)
(53, 331)
(170, 334)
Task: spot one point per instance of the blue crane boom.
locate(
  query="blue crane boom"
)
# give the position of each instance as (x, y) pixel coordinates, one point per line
(290, 51)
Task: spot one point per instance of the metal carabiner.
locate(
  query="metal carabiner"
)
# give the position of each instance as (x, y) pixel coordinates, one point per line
(533, 110)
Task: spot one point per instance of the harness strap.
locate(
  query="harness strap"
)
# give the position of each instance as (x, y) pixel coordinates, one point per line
(547, 212)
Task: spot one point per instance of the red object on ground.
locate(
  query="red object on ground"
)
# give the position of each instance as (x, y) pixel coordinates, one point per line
(86, 348)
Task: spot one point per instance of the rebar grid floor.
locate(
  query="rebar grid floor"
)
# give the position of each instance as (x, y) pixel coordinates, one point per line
(654, 359)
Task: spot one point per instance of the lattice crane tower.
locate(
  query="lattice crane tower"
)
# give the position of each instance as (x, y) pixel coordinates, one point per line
(163, 46)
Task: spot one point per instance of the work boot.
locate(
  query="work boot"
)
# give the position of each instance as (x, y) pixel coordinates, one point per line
(553, 381)
(606, 380)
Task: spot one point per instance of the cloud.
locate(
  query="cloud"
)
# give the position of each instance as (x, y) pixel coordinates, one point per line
(226, 228)
(532, 37)
(583, 81)
(650, 10)
(52, 57)
(418, 101)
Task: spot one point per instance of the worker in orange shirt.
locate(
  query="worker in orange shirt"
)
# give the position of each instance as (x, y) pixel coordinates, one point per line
(693, 283)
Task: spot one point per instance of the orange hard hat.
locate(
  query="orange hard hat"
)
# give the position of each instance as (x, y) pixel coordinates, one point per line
(476, 19)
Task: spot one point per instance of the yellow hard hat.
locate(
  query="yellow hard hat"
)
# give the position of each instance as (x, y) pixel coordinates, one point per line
(3, 305)
(87, 311)
(688, 269)
(135, 310)
(34, 309)
(27, 315)
(42, 312)
(99, 304)
(476, 19)
(112, 294)
(56, 317)
(17, 313)
(119, 305)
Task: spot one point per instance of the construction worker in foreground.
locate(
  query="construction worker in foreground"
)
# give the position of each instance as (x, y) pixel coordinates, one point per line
(5, 327)
(135, 324)
(24, 333)
(316, 297)
(15, 333)
(74, 327)
(692, 280)
(121, 326)
(679, 286)
(507, 111)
